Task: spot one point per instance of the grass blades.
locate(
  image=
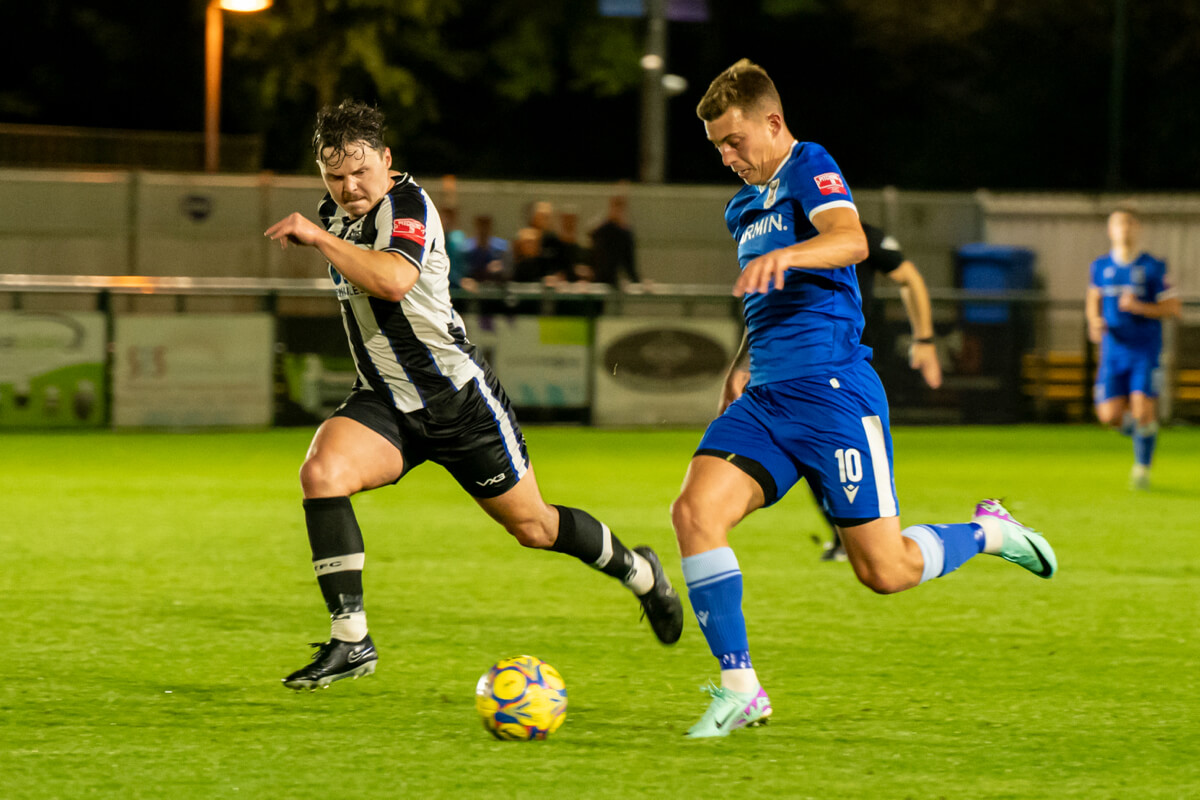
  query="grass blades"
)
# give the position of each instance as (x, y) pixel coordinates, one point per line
(158, 588)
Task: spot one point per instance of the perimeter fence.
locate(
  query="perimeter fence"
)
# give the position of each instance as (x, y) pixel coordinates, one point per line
(136, 351)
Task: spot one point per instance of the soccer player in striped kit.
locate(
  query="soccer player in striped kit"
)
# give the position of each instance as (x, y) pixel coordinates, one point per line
(813, 408)
(422, 394)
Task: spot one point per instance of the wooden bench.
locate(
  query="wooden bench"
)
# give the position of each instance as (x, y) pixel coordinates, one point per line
(1059, 389)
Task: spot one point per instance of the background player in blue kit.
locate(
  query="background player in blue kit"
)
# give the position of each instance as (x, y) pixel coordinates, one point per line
(813, 409)
(1127, 298)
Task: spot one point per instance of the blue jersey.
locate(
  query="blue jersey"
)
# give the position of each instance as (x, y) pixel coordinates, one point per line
(1146, 277)
(814, 324)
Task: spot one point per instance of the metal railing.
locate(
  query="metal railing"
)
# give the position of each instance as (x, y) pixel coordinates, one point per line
(994, 372)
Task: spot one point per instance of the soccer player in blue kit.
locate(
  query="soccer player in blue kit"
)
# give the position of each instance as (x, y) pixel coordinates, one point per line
(1127, 299)
(813, 408)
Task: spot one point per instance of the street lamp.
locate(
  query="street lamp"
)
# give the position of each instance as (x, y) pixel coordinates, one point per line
(213, 41)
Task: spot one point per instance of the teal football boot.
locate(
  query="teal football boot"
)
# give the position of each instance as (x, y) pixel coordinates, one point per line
(730, 710)
(1021, 545)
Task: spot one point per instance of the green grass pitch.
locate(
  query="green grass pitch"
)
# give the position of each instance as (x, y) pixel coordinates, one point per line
(157, 588)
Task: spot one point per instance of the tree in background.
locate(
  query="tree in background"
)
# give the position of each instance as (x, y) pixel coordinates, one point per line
(419, 60)
(921, 94)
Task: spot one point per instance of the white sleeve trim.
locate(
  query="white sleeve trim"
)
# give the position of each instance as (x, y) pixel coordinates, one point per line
(415, 263)
(833, 204)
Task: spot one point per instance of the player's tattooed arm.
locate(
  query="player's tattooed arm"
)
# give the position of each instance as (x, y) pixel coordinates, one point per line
(385, 275)
(839, 242)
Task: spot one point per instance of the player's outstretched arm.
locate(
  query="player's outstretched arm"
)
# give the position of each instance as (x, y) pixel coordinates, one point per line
(915, 294)
(381, 274)
(839, 242)
(1167, 307)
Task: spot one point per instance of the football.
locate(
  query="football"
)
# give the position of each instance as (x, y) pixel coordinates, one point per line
(521, 699)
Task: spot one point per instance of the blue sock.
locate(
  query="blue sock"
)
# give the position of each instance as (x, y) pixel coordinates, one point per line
(1144, 439)
(714, 583)
(945, 548)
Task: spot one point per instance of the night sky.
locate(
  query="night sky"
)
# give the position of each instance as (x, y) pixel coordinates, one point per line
(1019, 101)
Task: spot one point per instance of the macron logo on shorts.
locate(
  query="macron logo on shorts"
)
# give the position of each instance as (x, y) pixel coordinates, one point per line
(830, 183)
(410, 229)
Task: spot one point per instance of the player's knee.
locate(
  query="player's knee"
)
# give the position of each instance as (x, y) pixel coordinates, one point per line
(326, 477)
(698, 528)
(532, 531)
(686, 517)
(531, 534)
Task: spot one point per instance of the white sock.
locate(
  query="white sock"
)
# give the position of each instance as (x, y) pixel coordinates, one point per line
(933, 552)
(740, 680)
(350, 627)
(993, 534)
(641, 577)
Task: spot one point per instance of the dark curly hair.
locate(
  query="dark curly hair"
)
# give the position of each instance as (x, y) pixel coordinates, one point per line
(339, 127)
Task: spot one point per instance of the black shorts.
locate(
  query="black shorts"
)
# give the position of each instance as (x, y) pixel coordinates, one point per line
(473, 433)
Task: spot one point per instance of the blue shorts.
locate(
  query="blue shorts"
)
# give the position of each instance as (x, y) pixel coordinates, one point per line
(1125, 370)
(831, 430)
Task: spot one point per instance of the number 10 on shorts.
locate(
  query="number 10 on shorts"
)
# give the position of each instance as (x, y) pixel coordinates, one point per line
(849, 465)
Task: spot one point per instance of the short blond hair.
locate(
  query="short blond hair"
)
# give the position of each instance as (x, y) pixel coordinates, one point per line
(745, 85)
(1128, 208)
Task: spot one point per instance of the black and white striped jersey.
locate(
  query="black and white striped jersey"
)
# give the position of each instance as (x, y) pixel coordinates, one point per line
(414, 351)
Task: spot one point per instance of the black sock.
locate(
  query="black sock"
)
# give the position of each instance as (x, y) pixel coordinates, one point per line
(581, 535)
(337, 552)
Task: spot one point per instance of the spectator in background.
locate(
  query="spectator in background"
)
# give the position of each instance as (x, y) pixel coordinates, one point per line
(539, 257)
(455, 237)
(613, 245)
(575, 256)
(486, 256)
(527, 263)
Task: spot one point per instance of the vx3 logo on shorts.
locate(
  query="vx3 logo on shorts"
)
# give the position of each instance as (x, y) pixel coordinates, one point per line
(703, 617)
(491, 481)
(851, 492)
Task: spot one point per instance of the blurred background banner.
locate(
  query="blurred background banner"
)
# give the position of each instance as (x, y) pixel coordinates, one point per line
(541, 361)
(661, 372)
(52, 371)
(198, 370)
(314, 370)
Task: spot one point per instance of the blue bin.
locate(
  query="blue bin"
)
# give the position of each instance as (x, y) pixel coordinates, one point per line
(992, 268)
